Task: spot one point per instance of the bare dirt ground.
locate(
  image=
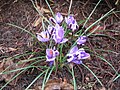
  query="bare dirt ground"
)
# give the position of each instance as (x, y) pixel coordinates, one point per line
(14, 41)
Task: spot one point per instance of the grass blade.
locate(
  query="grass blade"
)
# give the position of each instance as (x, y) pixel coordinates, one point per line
(43, 85)
(22, 29)
(17, 75)
(35, 80)
(49, 73)
(91, 13)
(97, 22)
(47, 77)
(11, 79)
(116, 77)
(107, 63)
(74, 81)
(70, 7)
(40, 12)
(50, 8)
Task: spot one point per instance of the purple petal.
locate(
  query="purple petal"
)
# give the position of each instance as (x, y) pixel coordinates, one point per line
(59, 34)
(56, 53)
(82, 54)
(74, 50)
(57, 40)
(40, 38)
(70, 57)
(51, 29)
(51, 54)
(58, 18)
(77, 61)
(81, 40)
(74, 27)
(69, 19)
(43, 36)
(52, 20)
(85, 55)
(71, 22)
(64, 40)
(50, 59)
(73, 58)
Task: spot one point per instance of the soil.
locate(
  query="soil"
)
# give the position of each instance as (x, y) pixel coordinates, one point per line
(14, 41)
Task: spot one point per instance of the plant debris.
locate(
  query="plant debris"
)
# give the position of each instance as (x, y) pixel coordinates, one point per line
(6, 68)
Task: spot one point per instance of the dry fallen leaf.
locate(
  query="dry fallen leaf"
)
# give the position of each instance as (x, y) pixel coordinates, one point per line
(97, 29)
(39, 19)
(7, 49)
(66, 86)
(45, 10)
(12, 49)
(58, 84)
(42, 10)
(37, 22)
(55, 84)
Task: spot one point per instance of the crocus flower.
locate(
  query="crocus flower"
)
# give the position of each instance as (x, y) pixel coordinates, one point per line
(58, 18)
(71, 22)
(70, 19)
(58, 35)
(43, 36)
(76, 55)
(51, 54)
(81, 40)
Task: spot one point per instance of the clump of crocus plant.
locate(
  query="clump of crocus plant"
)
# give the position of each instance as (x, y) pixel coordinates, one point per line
(56, 33)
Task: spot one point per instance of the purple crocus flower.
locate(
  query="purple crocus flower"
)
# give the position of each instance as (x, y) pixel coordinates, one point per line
(51, 54)
(76, 55)
(43, 36)
(58, 18)
(81, 40)
(70, 19)
(58, 35)
(71, 22)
